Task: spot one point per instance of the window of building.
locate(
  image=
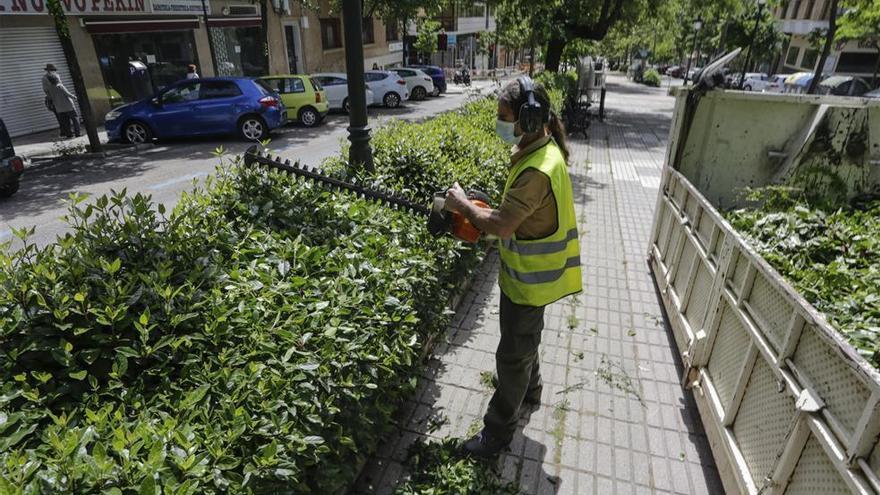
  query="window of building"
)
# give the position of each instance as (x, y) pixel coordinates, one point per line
(808, 14)
(810, 58)
(367, 30)
(331, 33)
(239, 51)
(219, 89)
(392, 31)
(793, 53)
(795, 12)
(472, 10)
(857, 62)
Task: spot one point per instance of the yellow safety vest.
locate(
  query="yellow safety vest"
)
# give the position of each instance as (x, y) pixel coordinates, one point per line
(540, 271)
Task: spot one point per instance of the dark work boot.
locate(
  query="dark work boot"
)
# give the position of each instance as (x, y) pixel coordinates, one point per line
(484, 445)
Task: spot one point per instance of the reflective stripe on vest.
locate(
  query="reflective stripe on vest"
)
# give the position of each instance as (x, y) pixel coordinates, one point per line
(541, 277)
(536, 272)
(532, 248)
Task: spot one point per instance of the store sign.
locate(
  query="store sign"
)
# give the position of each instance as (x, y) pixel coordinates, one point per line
(103, 7)
(395, 46)
(179, 6)
(451, 39)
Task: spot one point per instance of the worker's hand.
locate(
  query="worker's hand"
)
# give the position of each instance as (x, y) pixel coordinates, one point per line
(456, 198)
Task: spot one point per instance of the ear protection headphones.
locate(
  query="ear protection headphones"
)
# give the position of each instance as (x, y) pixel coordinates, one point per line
(532, 114)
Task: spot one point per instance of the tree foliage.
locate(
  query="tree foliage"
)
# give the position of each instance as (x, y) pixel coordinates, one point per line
(426, 35)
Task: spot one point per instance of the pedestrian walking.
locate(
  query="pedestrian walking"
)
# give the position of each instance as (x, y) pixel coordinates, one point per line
(63, 102)
(539, 249)
(191, 72)
(49, 70)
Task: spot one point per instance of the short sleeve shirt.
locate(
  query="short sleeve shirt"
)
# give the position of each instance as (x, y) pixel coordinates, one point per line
(530, 198)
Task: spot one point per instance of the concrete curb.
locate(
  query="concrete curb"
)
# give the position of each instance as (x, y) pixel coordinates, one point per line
(43, 160)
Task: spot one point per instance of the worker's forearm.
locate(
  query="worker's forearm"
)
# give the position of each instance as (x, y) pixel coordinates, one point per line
(488, 221)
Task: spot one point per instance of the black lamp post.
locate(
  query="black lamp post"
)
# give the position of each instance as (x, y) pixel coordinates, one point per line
(742, 78)
(698, 24)
(358, 126)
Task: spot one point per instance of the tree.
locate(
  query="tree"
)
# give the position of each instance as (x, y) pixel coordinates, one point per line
(79, 86)
(829, 38)
(427, 31)
(558, 22)
(861, 21)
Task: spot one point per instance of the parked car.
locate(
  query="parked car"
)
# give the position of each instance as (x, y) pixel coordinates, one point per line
(874, 94)
(11, 165)
(843, 86)
(776, 83)
(304, 98)
(335, 85)
(388, 88)
(418, 83)
(195, 107)
(693, 72)
(675, 71)
(438, 76)
(754, 81)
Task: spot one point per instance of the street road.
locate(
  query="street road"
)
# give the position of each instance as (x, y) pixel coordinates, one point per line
(169, 168)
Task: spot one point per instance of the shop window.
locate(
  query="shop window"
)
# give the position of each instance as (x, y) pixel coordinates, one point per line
(367, 35)
(857, 62)
(793, 53)
(392, 31)
(138, 65)
(239, 51)
(330, 33)
(182, 94)
(219, 89)
(811, 56)
(472, 10)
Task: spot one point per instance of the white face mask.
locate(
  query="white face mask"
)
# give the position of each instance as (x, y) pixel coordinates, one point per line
(507, 131)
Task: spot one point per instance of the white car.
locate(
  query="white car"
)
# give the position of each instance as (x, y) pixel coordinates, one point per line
(418, 83)
(755, 81)
(388, 88)
(336, 87)
(776, 84)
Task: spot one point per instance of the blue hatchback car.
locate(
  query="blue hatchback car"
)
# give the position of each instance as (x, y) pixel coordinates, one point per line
(196, 107)
(437, 76)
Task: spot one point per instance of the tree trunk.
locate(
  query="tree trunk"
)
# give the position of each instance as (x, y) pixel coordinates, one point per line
(876, 66)
(554, 54)
(79, 86)
(829, 39)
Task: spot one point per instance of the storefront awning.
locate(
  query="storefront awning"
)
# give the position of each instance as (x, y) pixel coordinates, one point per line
(234, 21)
(141, 25)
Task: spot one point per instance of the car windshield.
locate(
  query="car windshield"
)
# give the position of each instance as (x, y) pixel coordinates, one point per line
(265, 89)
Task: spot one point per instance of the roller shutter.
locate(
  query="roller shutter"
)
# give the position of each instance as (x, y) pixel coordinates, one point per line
(24, 52)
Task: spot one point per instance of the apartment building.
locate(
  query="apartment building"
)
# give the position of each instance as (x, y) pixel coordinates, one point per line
(797, 19)
(463, 24)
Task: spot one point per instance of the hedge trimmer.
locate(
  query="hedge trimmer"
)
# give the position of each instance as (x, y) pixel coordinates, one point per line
(440, 221)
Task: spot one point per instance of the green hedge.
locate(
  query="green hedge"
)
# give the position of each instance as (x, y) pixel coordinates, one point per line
(256, 339)
(651, 78)
(561, 86)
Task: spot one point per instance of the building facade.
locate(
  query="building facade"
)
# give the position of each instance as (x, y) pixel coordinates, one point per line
(129, 49)
(798, 19)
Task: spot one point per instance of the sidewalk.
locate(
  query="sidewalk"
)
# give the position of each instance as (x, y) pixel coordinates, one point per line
(613, 418)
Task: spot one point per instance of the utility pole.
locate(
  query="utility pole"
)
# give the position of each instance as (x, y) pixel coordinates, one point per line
(85, 106)
(358, 126)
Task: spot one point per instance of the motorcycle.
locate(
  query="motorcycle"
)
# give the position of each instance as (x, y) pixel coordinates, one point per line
(462, 76)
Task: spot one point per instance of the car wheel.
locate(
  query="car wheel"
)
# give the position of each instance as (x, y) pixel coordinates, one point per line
(346, 106)
(137, 133)
(309, 117)
(747, 87)
(9, 189)
(418, 93)
(391, 100)
(252, 128)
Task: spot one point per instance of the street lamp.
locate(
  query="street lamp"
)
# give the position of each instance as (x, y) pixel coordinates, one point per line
(742, 77)
(698, 25)
(358, 129)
